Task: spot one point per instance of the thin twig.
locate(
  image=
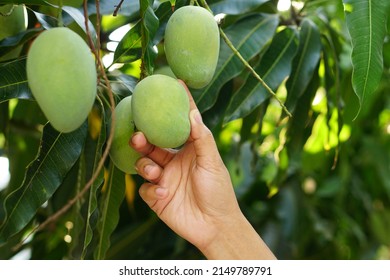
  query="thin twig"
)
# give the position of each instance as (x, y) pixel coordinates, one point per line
(247, 65)
(97, 2)
(89, 37)
(117, 8)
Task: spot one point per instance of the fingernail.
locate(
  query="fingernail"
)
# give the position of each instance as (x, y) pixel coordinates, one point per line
(133, 139)
(161, 192)
(148, 168)
(196, 116)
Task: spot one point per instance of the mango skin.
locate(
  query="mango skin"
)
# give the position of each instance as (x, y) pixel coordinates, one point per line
(161, 111)
(61, 73)
(121, 154)
(12, 21)
(192, 45)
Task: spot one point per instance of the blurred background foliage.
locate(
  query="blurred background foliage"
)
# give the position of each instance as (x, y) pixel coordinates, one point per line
(314, 186)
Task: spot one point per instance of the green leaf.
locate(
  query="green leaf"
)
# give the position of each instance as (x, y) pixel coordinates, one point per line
(10, 43)
(13, 80)
(22, 146)
(164, 10)
(46, 21)
(249, 36)
(256, 117)
(304, 64)
(106, 6)
(274, 67)
(93, 192)
(150, 24)
(56, 156)
(234, 7)
(79, 18)
(69, 15)
(129, 48)
(366, 22)
(380, 225)
(76, 214)
(163, 13)
(90, 223)
(378, 157)
(114, 194)
(299, 130)
(127, 242)
(122, 84)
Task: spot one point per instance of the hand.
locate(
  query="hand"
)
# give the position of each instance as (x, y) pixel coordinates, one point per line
(191, 191)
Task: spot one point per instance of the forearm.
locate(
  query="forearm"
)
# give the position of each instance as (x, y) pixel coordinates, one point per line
(239, 241)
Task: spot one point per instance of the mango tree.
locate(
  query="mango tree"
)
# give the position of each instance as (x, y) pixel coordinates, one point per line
(296, 100)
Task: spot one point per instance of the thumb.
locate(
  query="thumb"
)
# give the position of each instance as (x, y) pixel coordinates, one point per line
(205, 147)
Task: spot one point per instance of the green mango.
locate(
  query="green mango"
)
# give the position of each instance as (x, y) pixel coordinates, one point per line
(61, 73)
(13, 19)
(161, 111)
(121, 154)
(192, 45)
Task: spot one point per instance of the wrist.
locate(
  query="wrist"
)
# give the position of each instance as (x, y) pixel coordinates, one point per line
(237, 239)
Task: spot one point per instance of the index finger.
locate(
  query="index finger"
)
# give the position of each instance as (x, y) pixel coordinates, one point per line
(161, 156)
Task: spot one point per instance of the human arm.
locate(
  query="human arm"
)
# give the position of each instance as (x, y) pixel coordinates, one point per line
(191, 191)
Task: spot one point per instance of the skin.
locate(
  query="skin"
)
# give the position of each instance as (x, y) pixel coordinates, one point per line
(191, 191)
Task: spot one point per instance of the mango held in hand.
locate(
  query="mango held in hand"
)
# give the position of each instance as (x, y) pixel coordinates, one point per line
(192, 45)
(61, 74)
(122, 155)
(161, 111)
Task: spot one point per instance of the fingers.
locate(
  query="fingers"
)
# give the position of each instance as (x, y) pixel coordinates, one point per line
(201, 136)
(203, 140)
(151, 193)
(158, 155)
(148, 169)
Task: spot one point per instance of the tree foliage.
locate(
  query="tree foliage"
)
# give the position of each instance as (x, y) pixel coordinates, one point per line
(315, 185)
